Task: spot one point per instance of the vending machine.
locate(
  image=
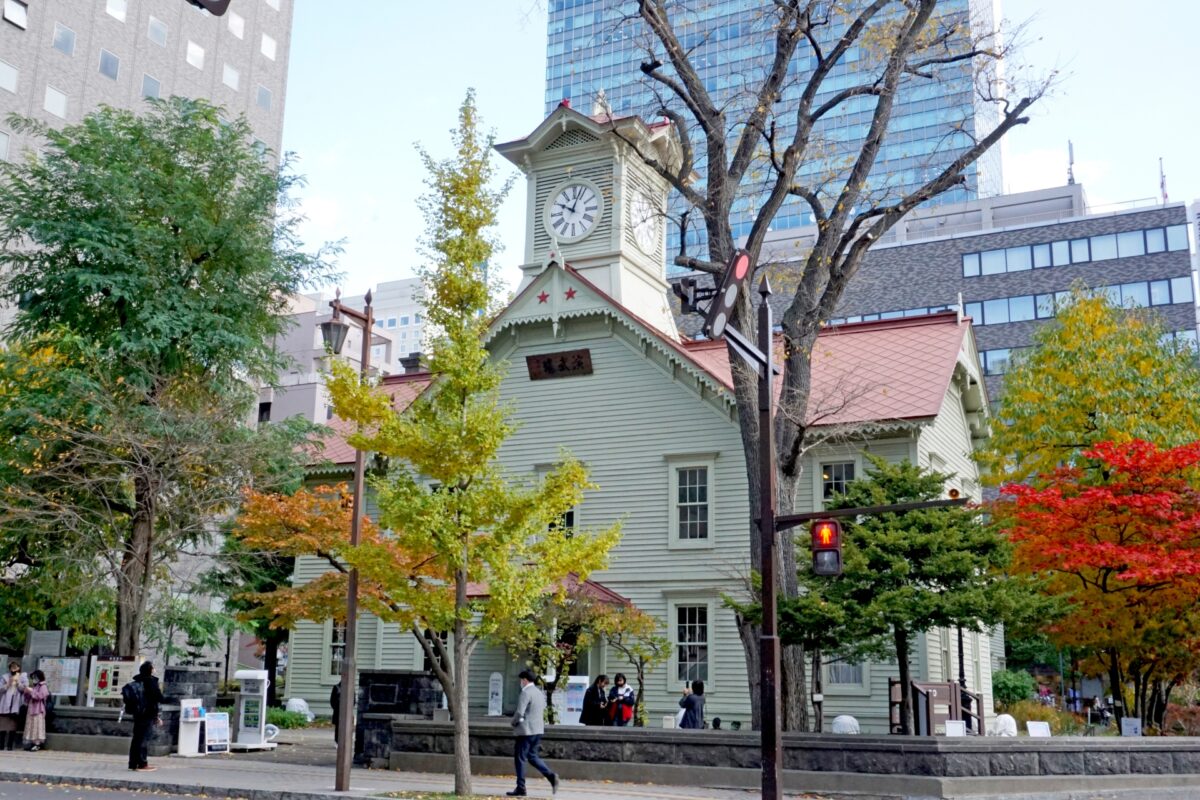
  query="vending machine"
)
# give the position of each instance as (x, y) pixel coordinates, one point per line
(251, 711)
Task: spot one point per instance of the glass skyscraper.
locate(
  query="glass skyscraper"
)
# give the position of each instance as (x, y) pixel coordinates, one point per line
(592, 47)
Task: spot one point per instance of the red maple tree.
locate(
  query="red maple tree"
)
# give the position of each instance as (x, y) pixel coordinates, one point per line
(1117, 536)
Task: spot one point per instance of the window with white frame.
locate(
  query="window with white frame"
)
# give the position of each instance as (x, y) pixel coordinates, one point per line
(17, 12)
(841, 673)
(4, 138)
(691, 635)
(835, 476)
(237, 25)
(273, 4)
(8, 77)
(230, 77)
(55, 102)
(263, 98)
(267, 47)
(335, 653)
(156, 31)
(691, 502)
(195, 55)
(64, 39)
(116, 9)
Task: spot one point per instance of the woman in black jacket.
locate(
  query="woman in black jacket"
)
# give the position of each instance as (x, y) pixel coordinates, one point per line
(595, 703)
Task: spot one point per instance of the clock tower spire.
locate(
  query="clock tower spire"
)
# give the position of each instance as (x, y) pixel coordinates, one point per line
(595, 206)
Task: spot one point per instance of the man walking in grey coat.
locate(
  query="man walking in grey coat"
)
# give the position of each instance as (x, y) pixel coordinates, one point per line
(528, 726)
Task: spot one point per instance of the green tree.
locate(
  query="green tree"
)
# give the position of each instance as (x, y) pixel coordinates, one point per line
(906, 573)
(240, 576)
(1097, 373)
(1012, 686)
(468, 548)
(639, 638)
(152, 256)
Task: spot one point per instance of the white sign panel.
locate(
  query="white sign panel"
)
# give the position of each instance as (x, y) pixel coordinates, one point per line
(1131, 726)
(216, 731)
(495, 695)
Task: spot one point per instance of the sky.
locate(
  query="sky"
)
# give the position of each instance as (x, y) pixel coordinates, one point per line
(365, 86)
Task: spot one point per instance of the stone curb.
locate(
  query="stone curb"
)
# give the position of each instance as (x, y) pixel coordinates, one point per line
(164, 787)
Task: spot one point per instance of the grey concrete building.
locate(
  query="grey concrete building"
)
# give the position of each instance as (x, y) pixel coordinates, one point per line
(1010, 259)
(59, 59)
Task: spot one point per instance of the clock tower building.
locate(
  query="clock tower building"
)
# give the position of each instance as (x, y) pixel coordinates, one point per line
(594, 205)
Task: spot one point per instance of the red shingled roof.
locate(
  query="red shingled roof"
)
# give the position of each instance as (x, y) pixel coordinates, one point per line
(869, 371)
(589, 588)
(403, 390)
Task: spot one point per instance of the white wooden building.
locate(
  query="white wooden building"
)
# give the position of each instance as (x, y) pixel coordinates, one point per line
(594, 364)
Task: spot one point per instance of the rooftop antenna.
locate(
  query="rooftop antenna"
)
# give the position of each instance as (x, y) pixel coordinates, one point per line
(1070, 163)
(1162, 180)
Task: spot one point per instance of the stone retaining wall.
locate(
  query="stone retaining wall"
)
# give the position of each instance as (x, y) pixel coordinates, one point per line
(101, 723)
(873, 755)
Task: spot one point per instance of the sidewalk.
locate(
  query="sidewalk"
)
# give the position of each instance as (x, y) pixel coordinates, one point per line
(238, 777)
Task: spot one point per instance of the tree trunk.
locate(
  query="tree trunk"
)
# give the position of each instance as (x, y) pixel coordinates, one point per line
(818, 688)
(458, 695)
(749, 633)
(271, 663)
(794, 700)
(133, 580)
(1115, 687)
(638, 716)
(906, 710)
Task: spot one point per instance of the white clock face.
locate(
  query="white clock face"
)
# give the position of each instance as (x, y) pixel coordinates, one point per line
(573, 211)
(643, 216)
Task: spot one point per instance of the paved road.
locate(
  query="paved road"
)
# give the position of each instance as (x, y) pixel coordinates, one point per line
(33, 791)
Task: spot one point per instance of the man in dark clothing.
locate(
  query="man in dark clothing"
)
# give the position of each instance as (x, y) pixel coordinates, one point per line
(146, 717)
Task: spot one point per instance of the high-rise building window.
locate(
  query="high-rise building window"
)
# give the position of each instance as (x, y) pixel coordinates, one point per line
(267, 46)
(230, 77)
(237, 25)
(156, 32)
(150, 86)
(55, 102)
(263, 98)
(116, 8)
(273, 4)
(4, 137)
(64, 39)
(110, 65)
(17, 12)
(8, 77)
(195, 55)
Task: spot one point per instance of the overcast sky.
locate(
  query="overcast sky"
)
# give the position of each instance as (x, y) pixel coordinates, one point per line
(367, 83)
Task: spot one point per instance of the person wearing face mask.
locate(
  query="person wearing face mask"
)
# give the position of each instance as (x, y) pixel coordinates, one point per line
(36, 694)
(12, 705)
(621, 702)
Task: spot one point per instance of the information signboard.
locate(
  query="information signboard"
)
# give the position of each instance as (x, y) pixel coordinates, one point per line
(62, 675)
(107, 677)
(216, 732)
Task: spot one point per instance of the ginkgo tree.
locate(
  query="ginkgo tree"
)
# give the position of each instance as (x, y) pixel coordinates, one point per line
(460, 547)
(1118, 536)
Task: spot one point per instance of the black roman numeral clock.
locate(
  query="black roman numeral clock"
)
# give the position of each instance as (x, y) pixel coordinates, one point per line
(572, 210)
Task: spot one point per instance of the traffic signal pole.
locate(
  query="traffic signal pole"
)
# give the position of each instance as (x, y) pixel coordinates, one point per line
(768, 654)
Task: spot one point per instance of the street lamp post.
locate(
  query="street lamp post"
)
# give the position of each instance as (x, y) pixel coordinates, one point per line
(334, 333)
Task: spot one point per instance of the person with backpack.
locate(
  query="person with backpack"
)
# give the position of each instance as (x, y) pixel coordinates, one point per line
(142, 697)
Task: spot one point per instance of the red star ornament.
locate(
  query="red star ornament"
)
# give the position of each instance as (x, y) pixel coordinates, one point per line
(571, 293)
(543, 297)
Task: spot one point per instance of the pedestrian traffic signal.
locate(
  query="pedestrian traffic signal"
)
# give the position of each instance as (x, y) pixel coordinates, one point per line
(721, 310)
(827, 547)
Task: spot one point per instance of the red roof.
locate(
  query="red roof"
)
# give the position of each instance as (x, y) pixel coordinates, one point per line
(589, 588)
(868, 371)
(403, 390)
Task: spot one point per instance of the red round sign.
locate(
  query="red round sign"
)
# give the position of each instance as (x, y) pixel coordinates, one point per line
(741, 265)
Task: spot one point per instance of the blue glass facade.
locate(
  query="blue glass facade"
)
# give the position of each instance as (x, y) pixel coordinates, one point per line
(592, 47)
